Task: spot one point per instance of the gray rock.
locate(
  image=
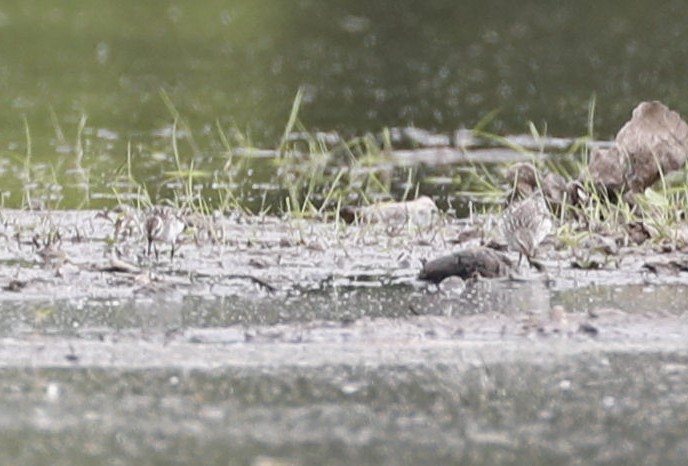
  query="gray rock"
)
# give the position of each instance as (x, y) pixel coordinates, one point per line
(468, 263)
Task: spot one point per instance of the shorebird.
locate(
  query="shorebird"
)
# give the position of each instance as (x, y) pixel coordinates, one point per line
(163, 224)
(525, 224)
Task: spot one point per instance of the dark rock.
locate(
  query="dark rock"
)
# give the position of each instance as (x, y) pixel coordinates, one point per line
(588, 329)
(607, 169)
(655, 139)
(639, 232)
(652, 143)
(554, 188)
(16, 285)
(525, 180)
(468, 263)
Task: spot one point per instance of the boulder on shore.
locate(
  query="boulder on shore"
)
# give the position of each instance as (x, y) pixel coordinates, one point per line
(468, 263)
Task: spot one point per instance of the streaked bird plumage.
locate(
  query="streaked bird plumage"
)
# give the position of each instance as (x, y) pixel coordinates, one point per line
(163, 224)
(525, 225)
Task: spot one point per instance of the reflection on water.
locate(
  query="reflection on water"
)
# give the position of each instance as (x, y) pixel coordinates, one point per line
(364, 65)
(345, 305)
(372, 397)
(591, 409)
(341, 305)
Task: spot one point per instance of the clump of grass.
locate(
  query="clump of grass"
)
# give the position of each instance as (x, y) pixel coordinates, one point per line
(307, 176)
(127, 188)
(662, 208)
(315, 181)
(41, 188)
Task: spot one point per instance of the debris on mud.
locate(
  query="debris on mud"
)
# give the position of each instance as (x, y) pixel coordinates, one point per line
(469, 263)
(672, 267)
(421, 212)
(381, 244)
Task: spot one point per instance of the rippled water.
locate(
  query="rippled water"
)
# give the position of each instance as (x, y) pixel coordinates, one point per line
(537, 401)
(488, 414)
(215, 382)
(439, 66)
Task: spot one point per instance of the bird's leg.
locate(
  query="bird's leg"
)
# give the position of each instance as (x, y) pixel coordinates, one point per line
(520, 258)
(172, 253)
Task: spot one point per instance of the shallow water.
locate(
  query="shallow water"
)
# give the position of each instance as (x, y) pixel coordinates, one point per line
(348, 376)
(485, 414)
(167, 313)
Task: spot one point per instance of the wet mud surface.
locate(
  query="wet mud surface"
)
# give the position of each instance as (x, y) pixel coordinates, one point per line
(345, 357)
(250, 257)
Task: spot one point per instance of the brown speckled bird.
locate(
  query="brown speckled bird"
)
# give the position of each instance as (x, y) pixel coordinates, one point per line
(525, 224)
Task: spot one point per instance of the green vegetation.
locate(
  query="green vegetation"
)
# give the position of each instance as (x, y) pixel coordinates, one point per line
(312, 175)
(305, 175)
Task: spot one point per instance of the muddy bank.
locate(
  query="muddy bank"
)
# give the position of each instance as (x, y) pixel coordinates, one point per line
(262, 256)
(308, 284)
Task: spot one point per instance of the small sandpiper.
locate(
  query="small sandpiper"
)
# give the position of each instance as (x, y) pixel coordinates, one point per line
(163, 224)
(525, 224)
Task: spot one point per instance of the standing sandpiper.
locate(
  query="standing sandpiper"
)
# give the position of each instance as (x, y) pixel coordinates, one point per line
(163, 224)
(525, 224)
